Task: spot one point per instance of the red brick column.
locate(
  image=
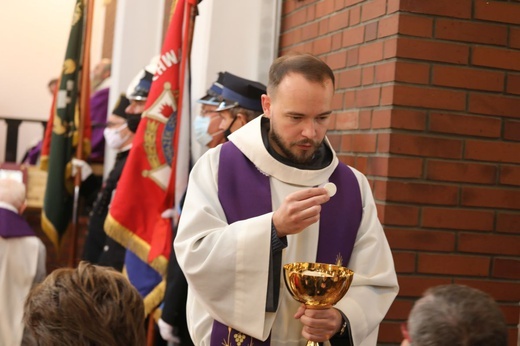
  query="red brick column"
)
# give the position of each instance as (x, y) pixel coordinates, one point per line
(428, 107)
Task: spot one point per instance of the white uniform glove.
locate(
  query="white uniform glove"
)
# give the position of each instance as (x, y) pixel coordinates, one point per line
(168, 332)
(171, 214)
(86, 170)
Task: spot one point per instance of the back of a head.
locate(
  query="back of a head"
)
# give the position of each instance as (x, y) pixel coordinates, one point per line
(456, 315)
(107, 66)
(101, 72)
(310, 67)
(88, 305)
(12, 192)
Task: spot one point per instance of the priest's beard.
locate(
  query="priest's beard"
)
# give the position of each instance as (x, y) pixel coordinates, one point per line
(291, 151)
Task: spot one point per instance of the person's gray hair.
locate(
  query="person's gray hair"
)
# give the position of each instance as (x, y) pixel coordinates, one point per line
(456, 315)
(12, 192)
(107, 65)
(249, 114)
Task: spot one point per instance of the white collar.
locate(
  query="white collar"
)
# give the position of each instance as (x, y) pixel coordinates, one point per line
(8, 206)
(103, 85)
(125, 148)
(249, 140)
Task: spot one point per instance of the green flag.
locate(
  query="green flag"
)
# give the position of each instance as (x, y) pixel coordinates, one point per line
(63, 133)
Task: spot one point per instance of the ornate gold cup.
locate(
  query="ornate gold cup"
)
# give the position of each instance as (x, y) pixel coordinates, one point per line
(317, 285)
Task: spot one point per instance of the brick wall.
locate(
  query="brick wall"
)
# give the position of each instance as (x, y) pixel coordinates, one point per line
(428, 107)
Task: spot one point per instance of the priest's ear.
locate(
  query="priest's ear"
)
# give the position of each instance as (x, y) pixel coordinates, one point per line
(266, 105)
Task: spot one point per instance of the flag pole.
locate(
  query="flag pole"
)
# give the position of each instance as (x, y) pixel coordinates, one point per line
(84, 93)
(150, 332)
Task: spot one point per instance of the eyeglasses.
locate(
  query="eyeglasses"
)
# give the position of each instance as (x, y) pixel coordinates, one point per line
(207, 112)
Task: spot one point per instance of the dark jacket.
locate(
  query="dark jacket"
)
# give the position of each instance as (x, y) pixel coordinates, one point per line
(99, 248)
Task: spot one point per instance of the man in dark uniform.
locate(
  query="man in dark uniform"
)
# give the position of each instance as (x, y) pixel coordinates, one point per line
(119, 134)
(235, 101)
(240, 102)
(172, 324)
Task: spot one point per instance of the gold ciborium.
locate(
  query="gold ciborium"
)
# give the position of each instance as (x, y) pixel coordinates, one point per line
(317, 285)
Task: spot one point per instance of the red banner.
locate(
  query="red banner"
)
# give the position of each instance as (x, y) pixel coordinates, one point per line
(146, 188)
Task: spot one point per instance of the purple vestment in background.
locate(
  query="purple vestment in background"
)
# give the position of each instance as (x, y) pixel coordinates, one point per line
(13, 225)
(34, 154)
(98, 116)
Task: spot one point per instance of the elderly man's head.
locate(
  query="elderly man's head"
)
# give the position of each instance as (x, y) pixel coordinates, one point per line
(455, 315)
(100, 72)
(12, 192)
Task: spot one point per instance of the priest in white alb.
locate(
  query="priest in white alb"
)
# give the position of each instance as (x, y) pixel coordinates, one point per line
(256, 203)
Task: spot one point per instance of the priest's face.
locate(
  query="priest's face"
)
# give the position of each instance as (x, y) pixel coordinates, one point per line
(299, 111)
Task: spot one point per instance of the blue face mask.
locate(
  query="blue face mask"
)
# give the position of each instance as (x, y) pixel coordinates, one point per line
(200, 126)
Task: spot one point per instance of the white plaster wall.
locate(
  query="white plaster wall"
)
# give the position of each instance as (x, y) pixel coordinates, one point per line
(33, 37)
(230, 35)
(236, 36)
(137, 39)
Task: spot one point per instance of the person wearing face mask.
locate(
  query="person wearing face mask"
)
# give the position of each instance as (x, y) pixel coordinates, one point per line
(241, 102)
(211, 128)
(119, 132)
(172, 324)
(206, 124)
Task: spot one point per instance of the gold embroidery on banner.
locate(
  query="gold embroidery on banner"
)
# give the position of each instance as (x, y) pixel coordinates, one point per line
(69, 66)
(77, 14)
(159, 135)
(149, 143)
(75, 129)
(59, 127)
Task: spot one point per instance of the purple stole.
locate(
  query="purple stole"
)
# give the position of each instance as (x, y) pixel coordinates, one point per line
(98, 118)
(34, 153)
(244, 192)
(13, 225)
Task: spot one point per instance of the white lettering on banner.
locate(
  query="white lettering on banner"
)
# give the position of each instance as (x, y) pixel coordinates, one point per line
(168, 59)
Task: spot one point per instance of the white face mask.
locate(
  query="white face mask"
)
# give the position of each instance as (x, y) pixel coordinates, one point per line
(200, 126)
(113, 137)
